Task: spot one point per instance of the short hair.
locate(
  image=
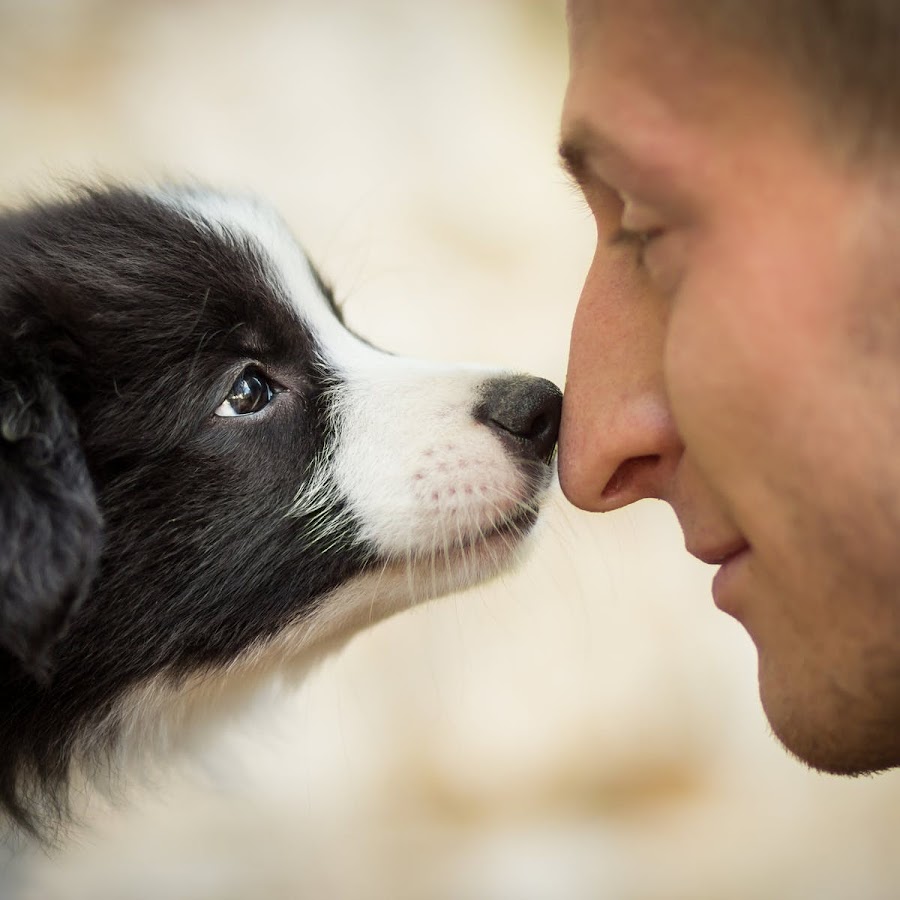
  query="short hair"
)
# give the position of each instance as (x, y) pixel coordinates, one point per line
(843, 55)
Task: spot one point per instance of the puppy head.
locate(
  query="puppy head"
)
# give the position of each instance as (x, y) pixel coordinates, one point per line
(268, 481)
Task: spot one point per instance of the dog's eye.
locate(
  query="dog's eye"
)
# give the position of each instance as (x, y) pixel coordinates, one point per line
(249, 394)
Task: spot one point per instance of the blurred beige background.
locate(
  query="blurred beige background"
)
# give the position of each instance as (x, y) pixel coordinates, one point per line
(586, 728)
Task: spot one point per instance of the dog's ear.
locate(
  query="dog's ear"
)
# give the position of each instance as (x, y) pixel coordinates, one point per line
(50, 526)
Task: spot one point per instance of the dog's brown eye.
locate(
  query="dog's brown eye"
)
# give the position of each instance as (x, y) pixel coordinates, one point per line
(249, 394)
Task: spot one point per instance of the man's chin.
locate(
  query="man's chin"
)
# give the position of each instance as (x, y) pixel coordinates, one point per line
(822, 736)
(829, 761)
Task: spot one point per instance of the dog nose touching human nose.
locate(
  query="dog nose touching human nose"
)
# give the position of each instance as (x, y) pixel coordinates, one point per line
(524, 411)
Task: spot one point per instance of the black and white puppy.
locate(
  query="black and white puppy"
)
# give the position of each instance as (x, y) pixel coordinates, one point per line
(204, 475)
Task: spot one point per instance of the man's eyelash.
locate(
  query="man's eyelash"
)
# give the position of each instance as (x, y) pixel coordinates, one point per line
(638, 240)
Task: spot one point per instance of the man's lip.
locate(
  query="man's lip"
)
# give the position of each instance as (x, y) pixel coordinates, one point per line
(724, 595)
(719, 556)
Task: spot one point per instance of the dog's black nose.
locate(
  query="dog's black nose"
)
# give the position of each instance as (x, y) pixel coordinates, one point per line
(525, 411)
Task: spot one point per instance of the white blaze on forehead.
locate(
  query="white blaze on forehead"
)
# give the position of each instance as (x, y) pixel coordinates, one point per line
(289, 271)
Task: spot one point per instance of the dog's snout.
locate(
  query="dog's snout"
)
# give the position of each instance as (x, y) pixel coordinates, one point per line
(525, 411)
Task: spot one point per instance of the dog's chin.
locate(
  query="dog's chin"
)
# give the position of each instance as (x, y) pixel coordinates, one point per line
(164, 714)
(467, 561)
(398, 582)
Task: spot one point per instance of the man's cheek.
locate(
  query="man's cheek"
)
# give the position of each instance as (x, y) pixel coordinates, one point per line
(704, 388)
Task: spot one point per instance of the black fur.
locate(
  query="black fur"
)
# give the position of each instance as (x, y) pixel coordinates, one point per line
(50, 529)
(123, 325)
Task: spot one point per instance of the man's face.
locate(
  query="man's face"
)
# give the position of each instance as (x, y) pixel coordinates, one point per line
(742, 361)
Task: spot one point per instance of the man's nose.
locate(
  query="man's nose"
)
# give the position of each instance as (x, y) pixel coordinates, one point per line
(618, 441)
(615, 453)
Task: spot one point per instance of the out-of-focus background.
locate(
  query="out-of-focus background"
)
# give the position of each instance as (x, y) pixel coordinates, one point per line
(586, 728)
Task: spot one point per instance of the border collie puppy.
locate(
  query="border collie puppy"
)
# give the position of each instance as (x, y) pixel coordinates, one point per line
(205, 476)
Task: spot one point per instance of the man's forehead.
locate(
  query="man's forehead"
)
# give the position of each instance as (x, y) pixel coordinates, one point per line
(617, 111)
(635, 78)
(583, 16)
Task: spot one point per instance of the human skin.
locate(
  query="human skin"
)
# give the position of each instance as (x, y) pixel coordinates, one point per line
(741, 360)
